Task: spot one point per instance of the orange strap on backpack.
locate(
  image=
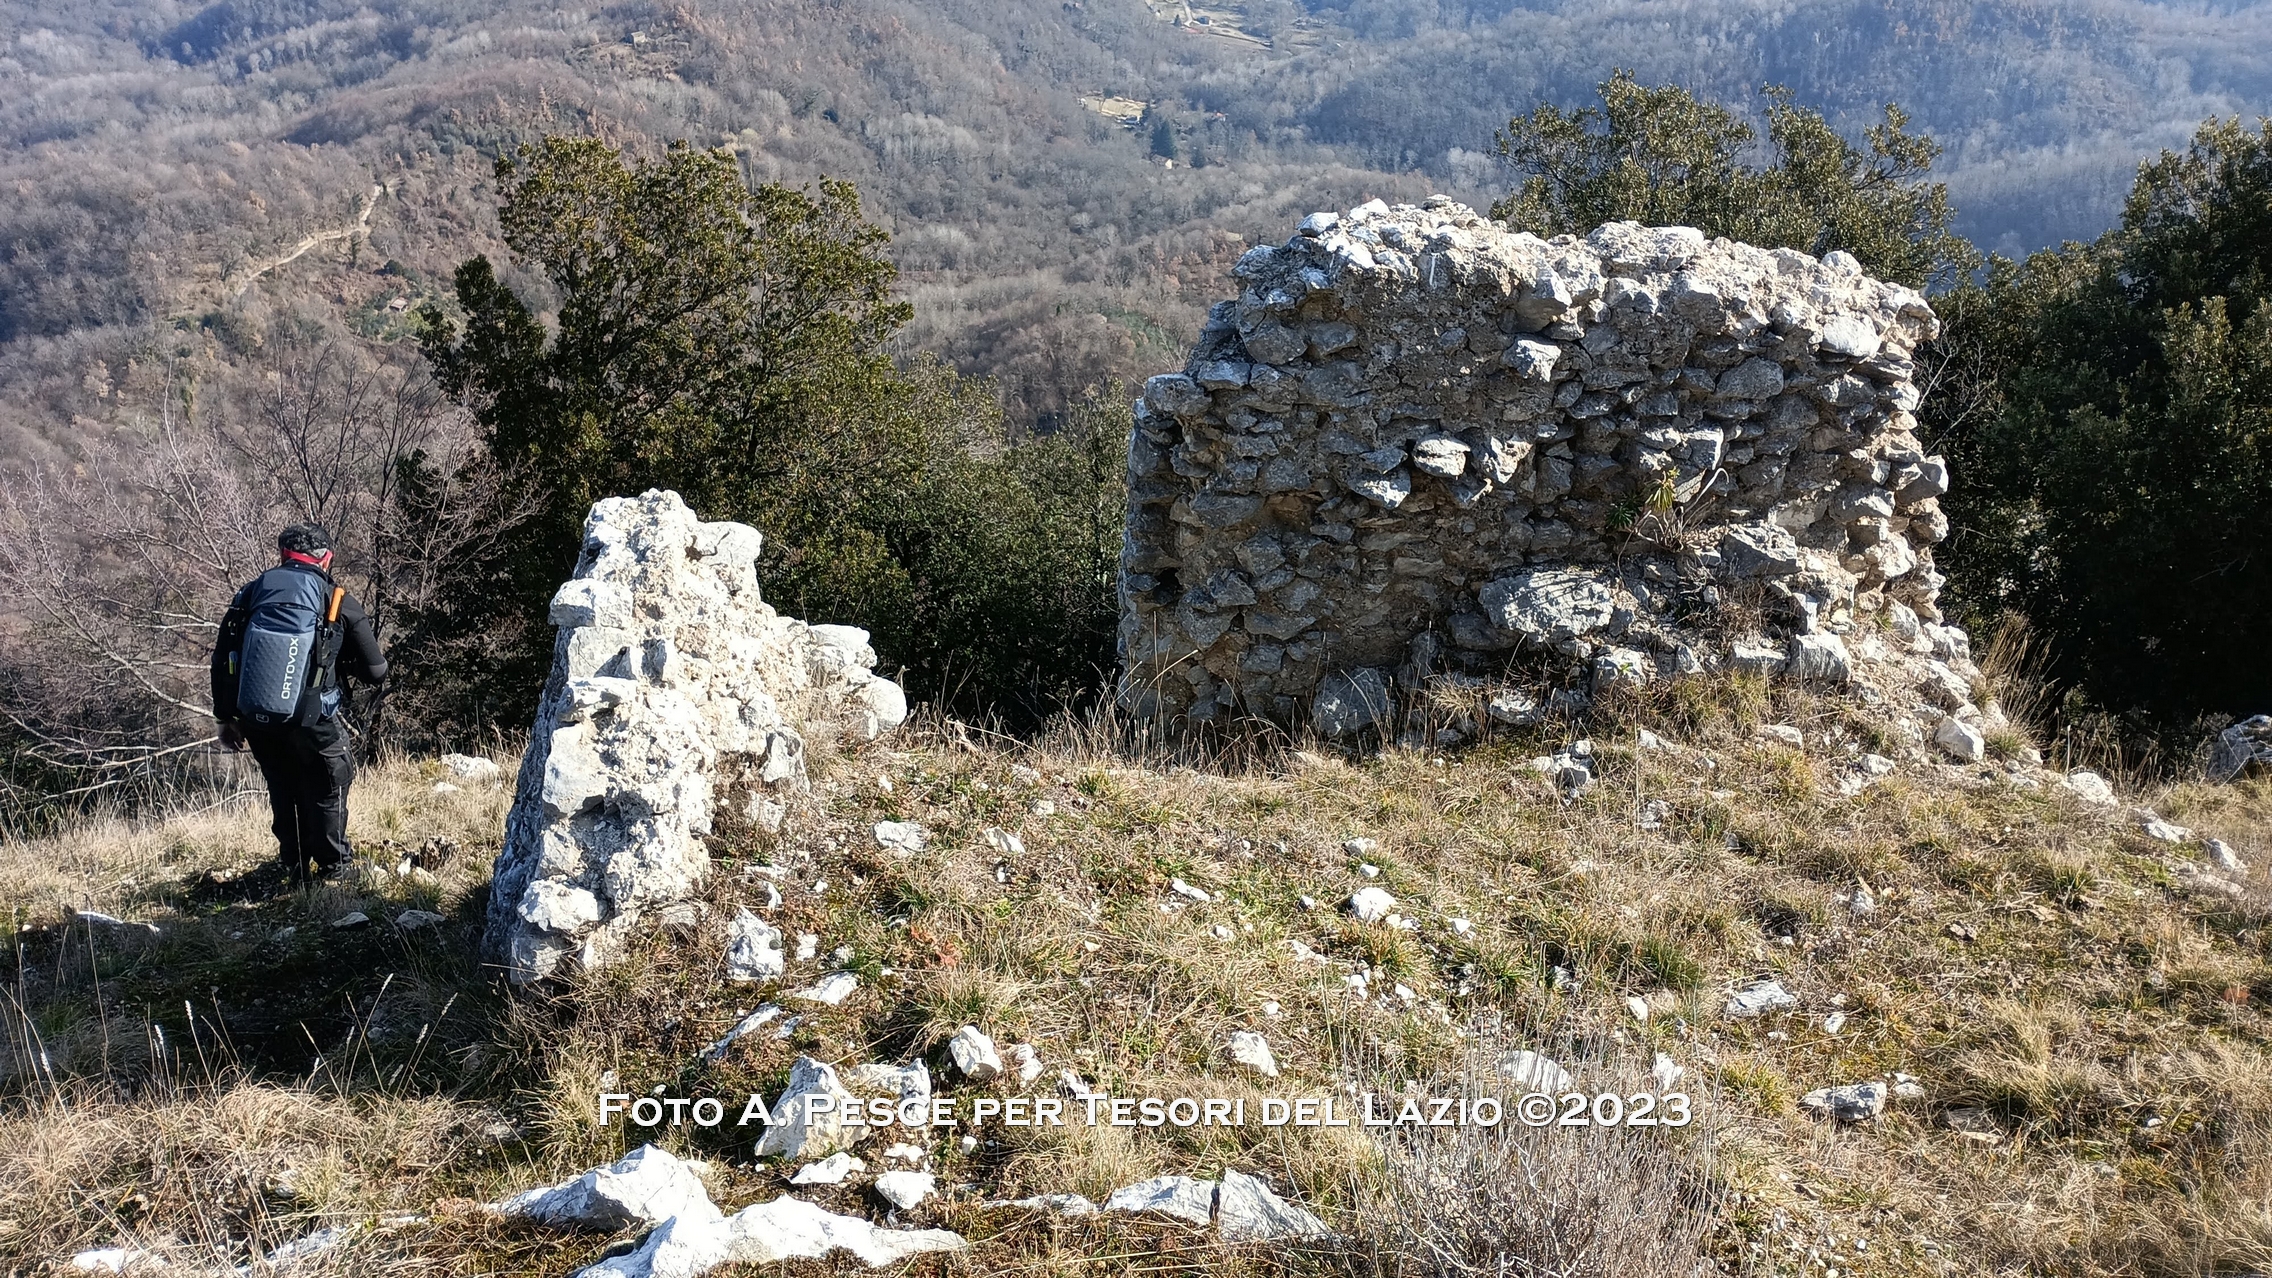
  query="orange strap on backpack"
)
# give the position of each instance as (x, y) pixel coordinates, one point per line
(331, 614)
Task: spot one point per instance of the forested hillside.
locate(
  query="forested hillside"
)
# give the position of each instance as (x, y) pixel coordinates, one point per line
(184, 182)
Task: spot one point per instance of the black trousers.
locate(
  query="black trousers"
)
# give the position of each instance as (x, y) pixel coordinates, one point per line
(308, 771)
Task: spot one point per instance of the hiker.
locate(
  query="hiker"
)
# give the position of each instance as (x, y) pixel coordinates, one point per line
(289, 639)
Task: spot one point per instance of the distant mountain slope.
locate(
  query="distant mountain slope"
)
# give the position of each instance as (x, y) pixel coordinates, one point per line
(156, 155)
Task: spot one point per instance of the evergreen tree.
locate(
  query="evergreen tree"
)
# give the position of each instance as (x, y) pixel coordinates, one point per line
(1663, 157)
(2111, 433)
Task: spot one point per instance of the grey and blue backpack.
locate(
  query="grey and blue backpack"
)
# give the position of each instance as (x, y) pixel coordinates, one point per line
(291, 644)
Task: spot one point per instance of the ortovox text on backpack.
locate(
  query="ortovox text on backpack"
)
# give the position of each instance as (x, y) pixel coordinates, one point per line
(291, 641)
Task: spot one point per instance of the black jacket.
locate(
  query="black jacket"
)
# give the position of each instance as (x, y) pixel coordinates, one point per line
(359, 655)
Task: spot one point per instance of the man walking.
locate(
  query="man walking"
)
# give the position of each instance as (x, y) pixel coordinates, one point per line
(289, 639)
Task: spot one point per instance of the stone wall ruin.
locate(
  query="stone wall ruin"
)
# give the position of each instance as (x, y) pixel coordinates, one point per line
(1420, 444)
(676, 696)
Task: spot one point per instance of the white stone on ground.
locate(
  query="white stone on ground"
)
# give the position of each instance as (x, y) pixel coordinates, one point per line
(1666, 1072)
(747, 1025)
(904, 1189)
(1178, 1197)
(113, 1260)
(1025, 1062)
(2222, 856)
(645, 1187)
(1253, 1051)
(1531, 1070)
(413, 920)
(1782, 732)
(768, 1233)
(753, 949)
(467, 767)
(974, 1054)
(907, 1082)
(1371, 905)
(2090, 786)
(831, 989)
(796, 1130)
(1004, 842)
(905, 838)
(1361, 846)
(2153, 827)
(1853, 1103)
(1246, 1211)
(1960, 740)
(828, 1171)
(1185, 890)
(1758, 998)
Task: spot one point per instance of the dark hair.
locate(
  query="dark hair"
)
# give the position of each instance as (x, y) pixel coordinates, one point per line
(306, 539)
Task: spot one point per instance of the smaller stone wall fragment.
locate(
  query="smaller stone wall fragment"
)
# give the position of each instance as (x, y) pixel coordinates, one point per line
(676, 694)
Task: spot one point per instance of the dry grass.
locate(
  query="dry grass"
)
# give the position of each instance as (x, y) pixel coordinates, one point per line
(2107, 1018)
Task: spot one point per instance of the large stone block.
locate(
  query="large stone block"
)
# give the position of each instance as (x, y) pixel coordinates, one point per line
(676, 693)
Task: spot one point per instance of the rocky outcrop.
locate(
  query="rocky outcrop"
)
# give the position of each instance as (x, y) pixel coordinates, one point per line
(678, 699)
(1419, 444)
(2242, 749)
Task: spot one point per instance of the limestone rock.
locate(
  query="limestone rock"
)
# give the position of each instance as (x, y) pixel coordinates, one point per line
(1246, 1211)
(472, 768)
(800, 1129)
(676, 694)
(1549, 605)
(753, 950)
(742, 1029)
(1348, 703)
(1759, 998)
(2241, 749)
(831, 989)
(1853, 1103)
(1371, 905)
(1819, 659)
(2090, 787)
(1253, 1051)
(1533, 1072)
(905, 1189)
(828, 1171)
(643, 1188)
(2222, 856)
(904, 838)
(1176, 1197)
(768, 1233)
(1961, 740)
(974, 1054)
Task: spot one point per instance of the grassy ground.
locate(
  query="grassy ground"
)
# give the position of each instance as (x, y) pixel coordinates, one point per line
(2044, 971)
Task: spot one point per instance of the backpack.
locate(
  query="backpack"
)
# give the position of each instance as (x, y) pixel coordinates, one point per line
(291, 643)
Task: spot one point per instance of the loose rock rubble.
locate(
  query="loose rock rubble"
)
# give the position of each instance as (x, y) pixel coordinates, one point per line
(676, 695)
(1418, 444)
